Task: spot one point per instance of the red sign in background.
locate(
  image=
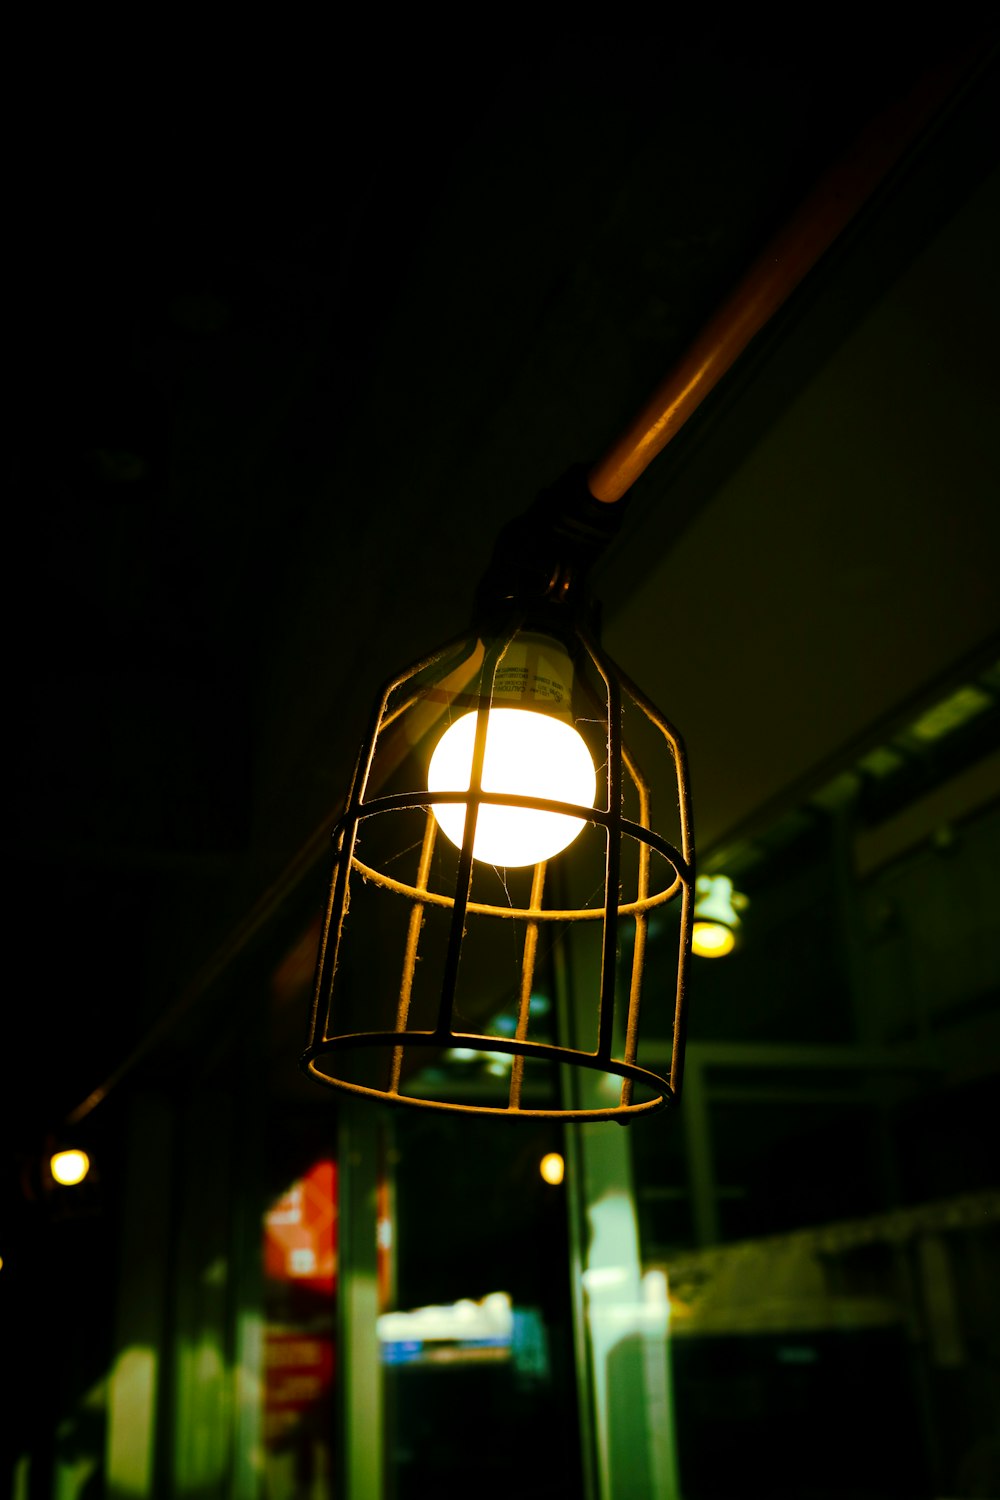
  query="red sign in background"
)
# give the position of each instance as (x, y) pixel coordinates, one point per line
(300, 1246)
(298, 1378)
(300, 1231)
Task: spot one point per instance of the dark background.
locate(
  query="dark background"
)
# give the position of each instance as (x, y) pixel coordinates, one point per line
(290, 337)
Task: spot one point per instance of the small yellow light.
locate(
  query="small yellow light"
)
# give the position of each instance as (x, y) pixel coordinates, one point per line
(712, 940)
(552, 1168)
(69, 1167)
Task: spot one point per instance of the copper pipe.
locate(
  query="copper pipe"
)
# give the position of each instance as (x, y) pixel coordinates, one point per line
(823, 215)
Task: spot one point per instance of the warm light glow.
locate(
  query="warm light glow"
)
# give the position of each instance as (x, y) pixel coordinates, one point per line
(69, 1167)
(490, 1320)
(712, 940)
(552, 1168)
(132, 1393)
(527, 753)
(716, 916)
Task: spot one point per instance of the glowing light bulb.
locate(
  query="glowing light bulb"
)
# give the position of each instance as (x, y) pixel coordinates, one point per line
(532, 750)
(712, 939)
(69, 1167)
(527, 753)
(552, 1168)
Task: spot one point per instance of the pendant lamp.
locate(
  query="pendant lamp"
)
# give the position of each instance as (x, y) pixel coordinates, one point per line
(504, 794)
(409, 843)
(717, 924)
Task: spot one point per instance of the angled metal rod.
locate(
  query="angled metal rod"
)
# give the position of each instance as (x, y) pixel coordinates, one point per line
(641, 925)
(609, 952)
(463, 880)
(412, 943)
(527, 982)
(821, 218)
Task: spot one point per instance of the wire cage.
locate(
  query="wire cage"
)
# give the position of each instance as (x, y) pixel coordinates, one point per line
(432, 955)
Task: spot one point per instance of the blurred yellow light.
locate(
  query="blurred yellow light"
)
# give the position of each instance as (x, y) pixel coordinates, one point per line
(712, 940)
(69, 1167)
(552, 1168)
(528, 754)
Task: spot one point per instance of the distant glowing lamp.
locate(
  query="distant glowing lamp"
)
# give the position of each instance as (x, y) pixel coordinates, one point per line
(712, 940)
(552, 1168)
(716, 916)
(69, 1167)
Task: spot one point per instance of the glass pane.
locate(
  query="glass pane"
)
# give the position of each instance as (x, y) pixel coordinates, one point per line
(476, 1340)
(824, 1210)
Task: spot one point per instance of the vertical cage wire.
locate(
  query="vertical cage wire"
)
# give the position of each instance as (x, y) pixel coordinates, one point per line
(335, 1034)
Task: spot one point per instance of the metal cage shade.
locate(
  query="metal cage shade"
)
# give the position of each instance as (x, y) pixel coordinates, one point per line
(406, 975)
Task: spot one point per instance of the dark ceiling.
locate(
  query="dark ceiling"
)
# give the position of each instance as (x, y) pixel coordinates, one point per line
(285, 361)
